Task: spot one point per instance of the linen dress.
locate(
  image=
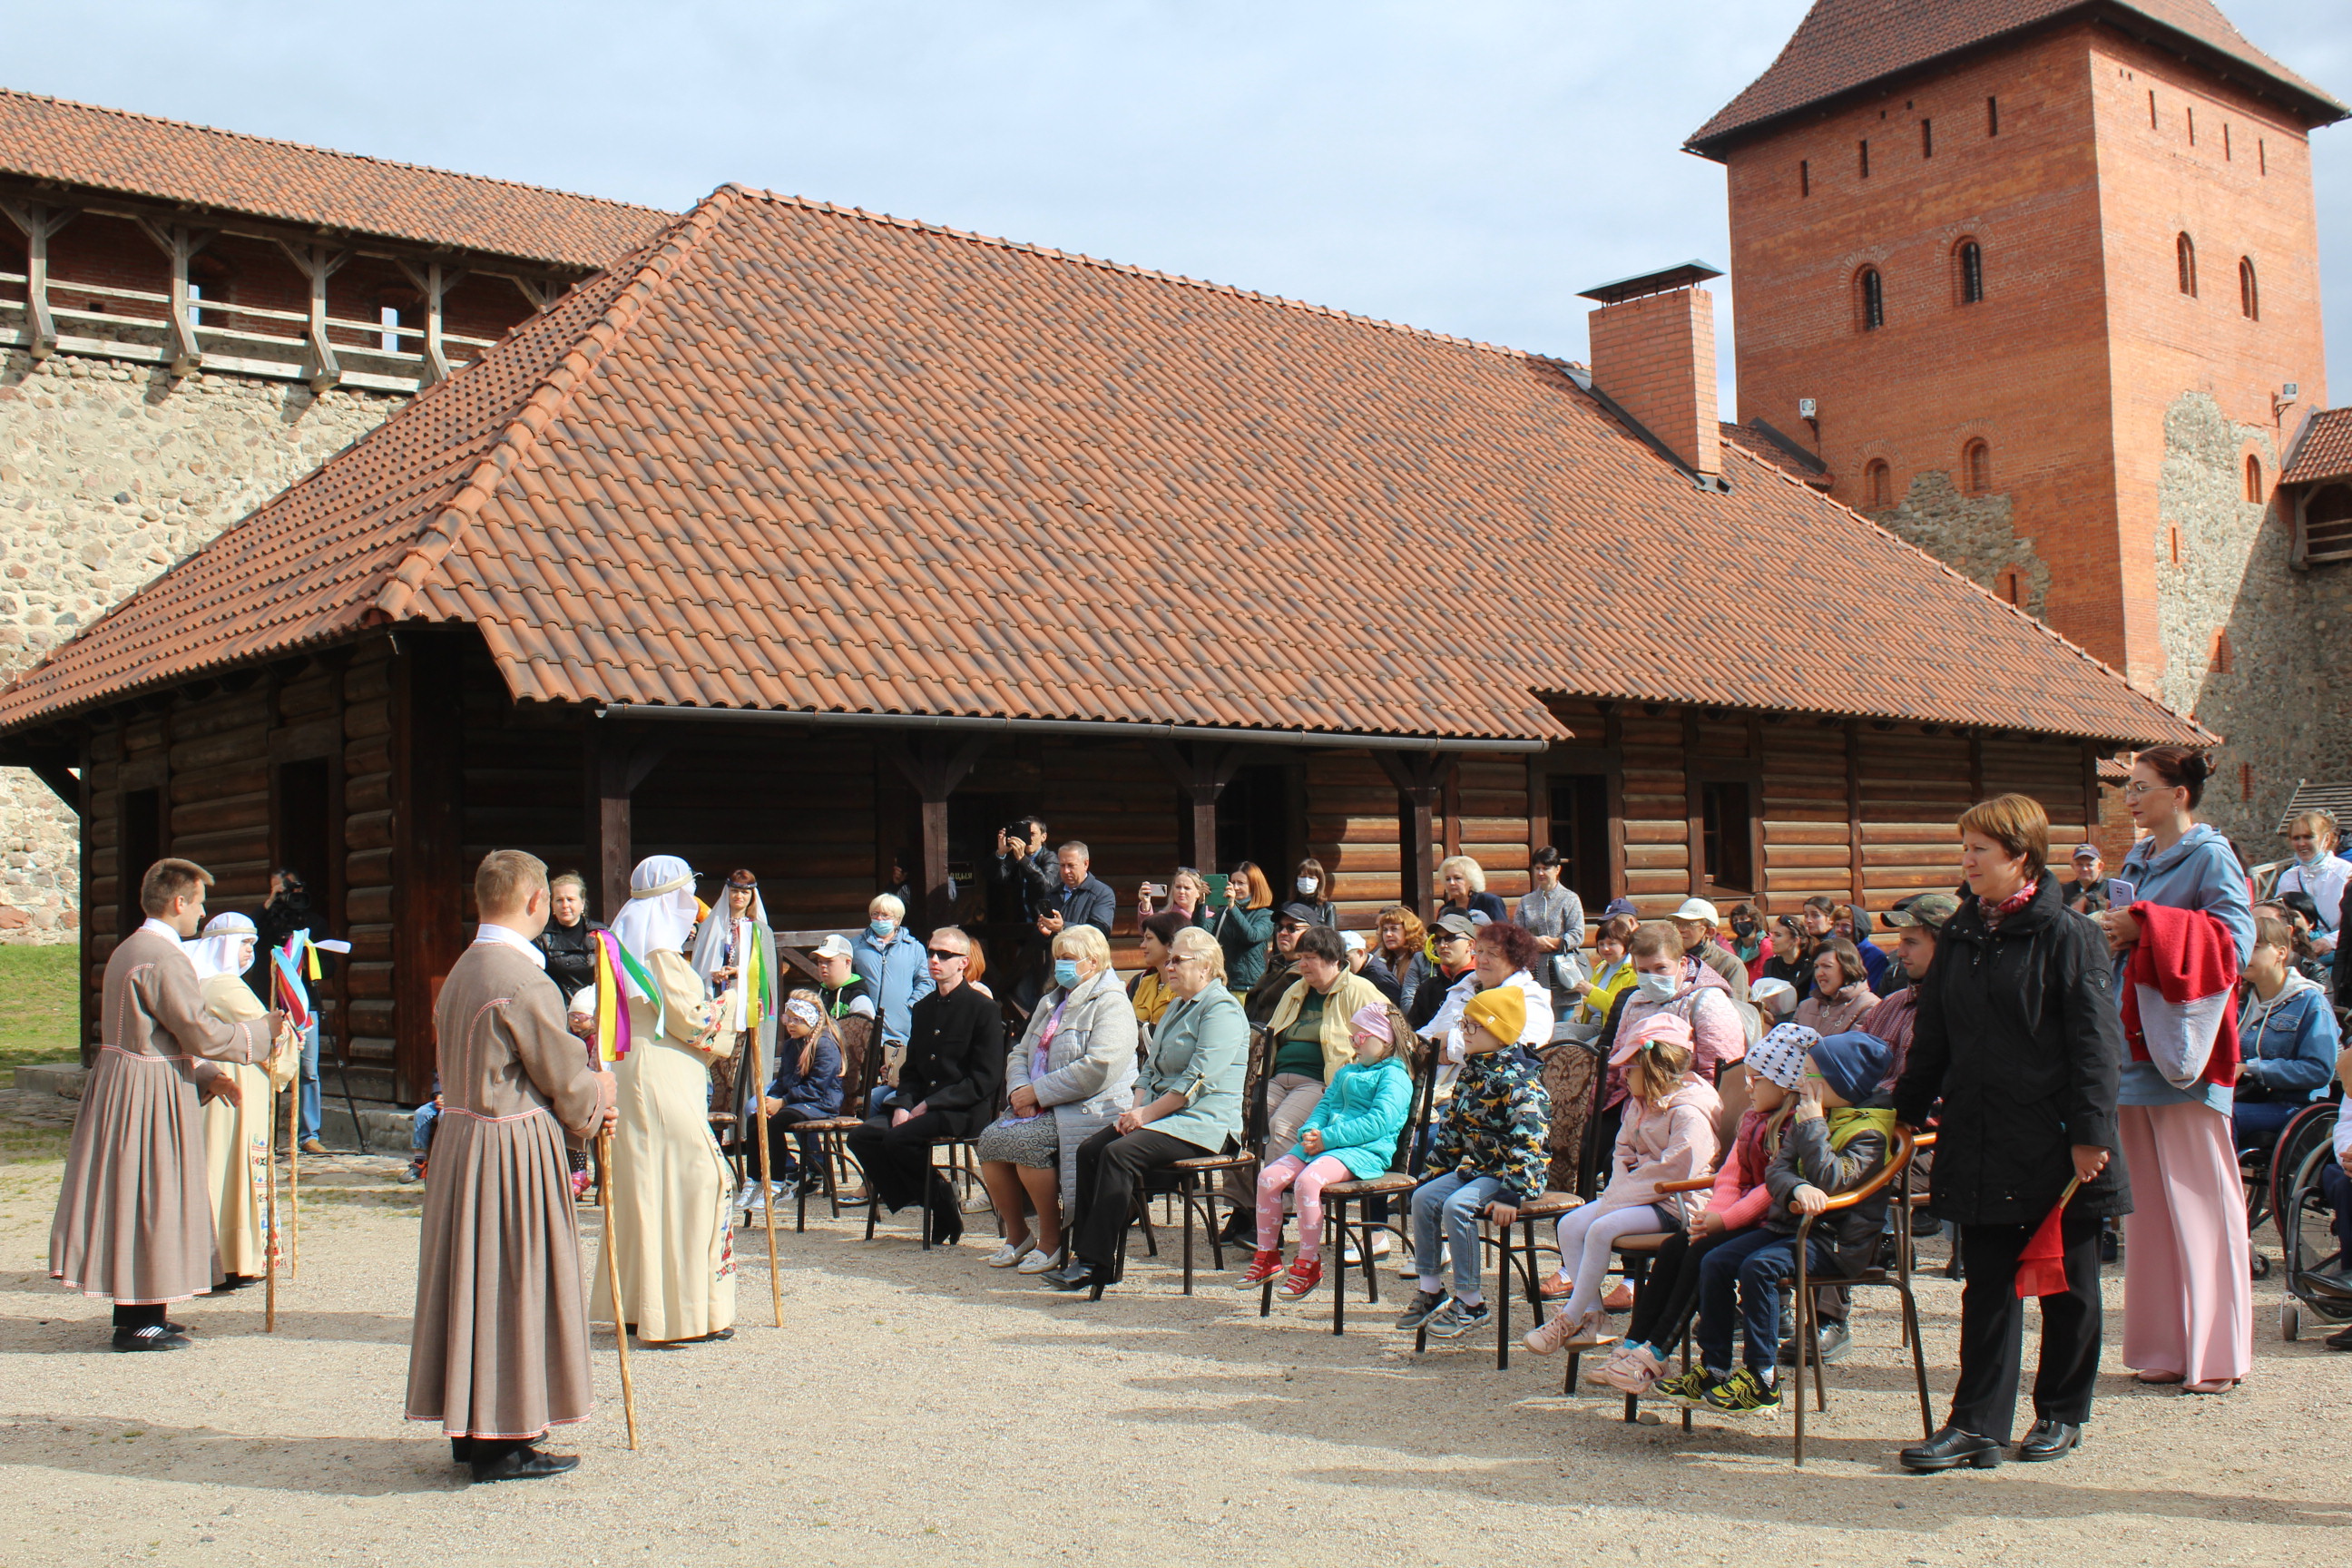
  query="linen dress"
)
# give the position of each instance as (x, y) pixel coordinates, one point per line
(237, 1143)
(671, 1225)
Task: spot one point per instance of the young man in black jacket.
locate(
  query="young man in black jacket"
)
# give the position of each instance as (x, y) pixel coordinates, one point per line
(947, 1089)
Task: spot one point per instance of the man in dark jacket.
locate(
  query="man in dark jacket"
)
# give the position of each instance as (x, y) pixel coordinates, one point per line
(1076, 898)
(955, 1064)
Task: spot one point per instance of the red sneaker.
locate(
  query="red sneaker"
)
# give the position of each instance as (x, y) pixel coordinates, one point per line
(1263, 1266)
(1303, 1275)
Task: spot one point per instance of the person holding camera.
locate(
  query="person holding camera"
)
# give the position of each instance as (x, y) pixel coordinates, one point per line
(1024, 861)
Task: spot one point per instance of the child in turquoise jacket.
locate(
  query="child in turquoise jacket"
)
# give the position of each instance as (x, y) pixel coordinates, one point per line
(1352, 1136)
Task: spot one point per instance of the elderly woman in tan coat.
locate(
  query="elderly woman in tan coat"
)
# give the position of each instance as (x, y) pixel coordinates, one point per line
(1071, 1073)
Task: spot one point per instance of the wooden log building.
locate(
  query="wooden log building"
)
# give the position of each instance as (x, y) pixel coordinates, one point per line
(803, 537)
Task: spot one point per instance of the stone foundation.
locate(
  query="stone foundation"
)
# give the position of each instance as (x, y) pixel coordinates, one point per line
(110, 474)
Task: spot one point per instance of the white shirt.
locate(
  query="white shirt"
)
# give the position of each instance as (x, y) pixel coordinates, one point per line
(486, 932)
(2325, 880)
(160, 929)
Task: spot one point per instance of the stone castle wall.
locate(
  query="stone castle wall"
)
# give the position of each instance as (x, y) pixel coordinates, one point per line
(110, 474)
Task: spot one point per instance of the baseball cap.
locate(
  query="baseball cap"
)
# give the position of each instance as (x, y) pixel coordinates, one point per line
(1697, 909)
(1302, 914)
(2090, 849)
(1353, 940)
(833, 946)
(1458, 924)
(1928, 909)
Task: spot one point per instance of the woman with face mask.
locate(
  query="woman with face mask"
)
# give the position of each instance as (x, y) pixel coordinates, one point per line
(1311, 885)
(891, 962)
(1748, 943)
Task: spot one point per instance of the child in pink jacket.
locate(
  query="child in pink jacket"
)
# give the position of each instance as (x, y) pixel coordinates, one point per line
(1737, 1201)
(1667, 1135)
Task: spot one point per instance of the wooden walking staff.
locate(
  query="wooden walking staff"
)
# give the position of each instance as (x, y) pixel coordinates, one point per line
(612, 1279)
(294, 1178)
(615, 969)
(269, 1246)
(758, 1108)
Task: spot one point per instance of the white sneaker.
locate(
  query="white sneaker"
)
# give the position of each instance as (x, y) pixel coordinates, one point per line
(1039, 1262)
(1006, 1256)
(750, 1194)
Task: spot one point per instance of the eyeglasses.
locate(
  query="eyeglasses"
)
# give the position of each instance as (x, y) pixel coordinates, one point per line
(944, 954)
(2140, 788)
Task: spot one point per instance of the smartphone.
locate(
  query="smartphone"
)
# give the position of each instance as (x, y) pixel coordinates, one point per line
(1154, 890)
(2121, 895)
(1216, 880)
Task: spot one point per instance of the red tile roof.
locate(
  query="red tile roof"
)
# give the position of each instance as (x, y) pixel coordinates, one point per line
(167, 159)
(1760, 441)
(1843, 45)
(800, 457)
(2324, 452)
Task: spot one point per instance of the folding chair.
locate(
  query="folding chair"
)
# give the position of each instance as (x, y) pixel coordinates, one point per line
(861, 1068)
(1897, 1169)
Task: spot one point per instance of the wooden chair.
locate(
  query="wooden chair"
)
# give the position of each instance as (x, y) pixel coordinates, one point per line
(1634, 1253)
(1897, 1170)
(1200, 1200)
(861, 1066)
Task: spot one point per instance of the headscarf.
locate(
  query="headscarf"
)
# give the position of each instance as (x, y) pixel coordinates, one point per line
(226, 947)
(659, 915)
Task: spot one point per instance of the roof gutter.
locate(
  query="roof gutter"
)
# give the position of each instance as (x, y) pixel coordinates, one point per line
(1104, 729)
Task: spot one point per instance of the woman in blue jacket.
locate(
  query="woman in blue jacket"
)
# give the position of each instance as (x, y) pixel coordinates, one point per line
(2287, 1039)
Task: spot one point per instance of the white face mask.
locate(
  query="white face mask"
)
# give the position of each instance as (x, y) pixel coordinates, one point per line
(1306, 884)
(1661, 986)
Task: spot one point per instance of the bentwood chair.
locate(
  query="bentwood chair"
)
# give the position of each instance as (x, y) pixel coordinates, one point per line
(1198, 1180)
(1895, 1169)
(1635, 1253)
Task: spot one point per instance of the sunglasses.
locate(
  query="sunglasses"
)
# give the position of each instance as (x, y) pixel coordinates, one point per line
(943, 954)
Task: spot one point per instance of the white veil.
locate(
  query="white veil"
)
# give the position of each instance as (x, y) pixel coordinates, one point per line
(659, 915)
(222, 950)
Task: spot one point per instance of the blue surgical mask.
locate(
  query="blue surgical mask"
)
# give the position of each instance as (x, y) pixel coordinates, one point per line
(1066, 973)
(1661, 986)
(882, 928)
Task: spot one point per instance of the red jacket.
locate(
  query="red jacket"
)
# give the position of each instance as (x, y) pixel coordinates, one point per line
(2180, 997)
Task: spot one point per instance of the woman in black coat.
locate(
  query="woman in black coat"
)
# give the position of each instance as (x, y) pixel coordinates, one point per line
(2018, 1036)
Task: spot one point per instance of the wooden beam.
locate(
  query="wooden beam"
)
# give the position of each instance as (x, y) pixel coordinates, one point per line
(181, 244)
(318, 263)
(433, 282)
(1854, 811)
(61, 782)
(1201, 770)
(613, 765)
(934, 765)
(428, 907)
(38, 222)
(1694, 805)
(1421, 778)
(541, 292)
(1612, 740)
(1976, 767)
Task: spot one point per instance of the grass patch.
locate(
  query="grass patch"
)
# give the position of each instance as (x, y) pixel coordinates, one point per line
(40, 1007)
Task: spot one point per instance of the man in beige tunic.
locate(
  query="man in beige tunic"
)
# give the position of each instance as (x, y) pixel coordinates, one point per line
(134, 1221)
(499, 1349)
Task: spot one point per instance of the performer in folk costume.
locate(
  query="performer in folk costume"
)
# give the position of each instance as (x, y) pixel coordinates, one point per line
(671, 1184)
(237, 1129)
(499, 1352)
(132, 1220)
(735, 953)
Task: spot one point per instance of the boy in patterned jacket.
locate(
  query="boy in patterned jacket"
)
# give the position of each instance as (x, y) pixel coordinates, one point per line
(1487, 1155)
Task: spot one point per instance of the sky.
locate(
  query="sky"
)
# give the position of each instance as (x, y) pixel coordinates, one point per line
(1466, 166)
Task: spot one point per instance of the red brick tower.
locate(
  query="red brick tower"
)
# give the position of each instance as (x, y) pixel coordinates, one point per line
(2038, 271)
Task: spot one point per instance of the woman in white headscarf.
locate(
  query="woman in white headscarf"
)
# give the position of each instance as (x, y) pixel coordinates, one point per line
(236, 1120)
(735, 953)
(671, 1184)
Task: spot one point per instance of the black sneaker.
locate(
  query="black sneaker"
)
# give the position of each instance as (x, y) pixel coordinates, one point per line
(1453, 1320)
(1423, 1308)
(156, 1337)
(1742, 1394)
(1689, 1389)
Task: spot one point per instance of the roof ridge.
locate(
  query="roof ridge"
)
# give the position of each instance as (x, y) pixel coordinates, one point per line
(440, 532)
(332, 152)
(2035, 622)
(1080, 258)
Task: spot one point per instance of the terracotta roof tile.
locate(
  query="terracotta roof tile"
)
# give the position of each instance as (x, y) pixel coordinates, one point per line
(1321, 522)
(2324, 451)
(1843, 45)
(169, 160)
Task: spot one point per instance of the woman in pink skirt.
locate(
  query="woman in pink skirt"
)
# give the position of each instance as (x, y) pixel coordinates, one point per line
(2180, 925)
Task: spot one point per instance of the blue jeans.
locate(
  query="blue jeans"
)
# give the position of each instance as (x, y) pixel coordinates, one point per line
(2336, 1192)
(1740, 1279)
(420, 1128)
(311, 1081)
(2257, 1123)
(1447, 1208)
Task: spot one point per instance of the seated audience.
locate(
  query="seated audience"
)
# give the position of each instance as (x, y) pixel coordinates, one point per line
(1244, 925)
(2287, 1040)
(1311, 885)
(1403, 948)
(805, 1086)
(1791, 959)
(1148, 993)
(1487, 1157)
(1363, 961)
(1072, 1072)
(1350, 1136)
(1841, 993)
(1667, 1134)
(1189, 1104)
(947, 1089)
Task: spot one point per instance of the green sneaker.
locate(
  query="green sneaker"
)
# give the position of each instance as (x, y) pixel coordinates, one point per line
(1743, 1393)
(1688, 1390)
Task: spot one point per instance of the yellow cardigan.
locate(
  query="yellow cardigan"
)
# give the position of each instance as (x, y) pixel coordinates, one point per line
(1340, 1006)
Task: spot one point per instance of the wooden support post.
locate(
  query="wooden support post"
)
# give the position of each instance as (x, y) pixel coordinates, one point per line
(541, 292)
(934, 764)
(38, 224)
(179, 243)
(1976, 767)
(322, 369)
(1421, 778)
(428, 896)
(1200, 771)
(2093, 806)
(1853, 811)
(433, 282)
(613, 765)
(1694, 807)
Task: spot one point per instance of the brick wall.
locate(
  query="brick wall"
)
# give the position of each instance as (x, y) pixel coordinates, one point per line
(1655, 356)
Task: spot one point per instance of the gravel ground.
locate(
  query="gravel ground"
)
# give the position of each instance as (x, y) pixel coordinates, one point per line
(922, 1407)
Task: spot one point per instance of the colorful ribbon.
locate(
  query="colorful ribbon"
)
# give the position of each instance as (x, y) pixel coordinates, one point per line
(613, 961)
(288, 965)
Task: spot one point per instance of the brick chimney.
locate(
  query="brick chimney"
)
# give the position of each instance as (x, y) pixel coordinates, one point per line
(1653, 355)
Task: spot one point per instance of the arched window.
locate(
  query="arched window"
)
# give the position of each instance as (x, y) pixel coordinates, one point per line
(2253, 478)
(1870, 290)
(1969, 262)
(1976, 469)
(2184, 252)
(2249, 297)
(1877, 486)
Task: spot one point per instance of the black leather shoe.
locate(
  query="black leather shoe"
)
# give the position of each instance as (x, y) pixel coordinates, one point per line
(2049, 1439)
(523, 1465)
(1079, 1275)
(1950, 1449)
(160, 1338)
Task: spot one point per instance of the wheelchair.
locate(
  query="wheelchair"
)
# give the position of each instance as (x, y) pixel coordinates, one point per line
(2316, 1273)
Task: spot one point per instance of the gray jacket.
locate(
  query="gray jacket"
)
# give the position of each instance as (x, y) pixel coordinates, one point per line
(1089, 1067)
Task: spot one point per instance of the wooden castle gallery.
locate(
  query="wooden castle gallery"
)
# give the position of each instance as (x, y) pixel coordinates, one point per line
(800, 539)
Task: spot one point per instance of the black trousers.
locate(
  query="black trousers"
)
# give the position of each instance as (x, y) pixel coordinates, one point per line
(780, 1139)
(1111, 1167)
(897, 1160)
(146, 1317)
(1671, 1297)
(1992, 1330)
